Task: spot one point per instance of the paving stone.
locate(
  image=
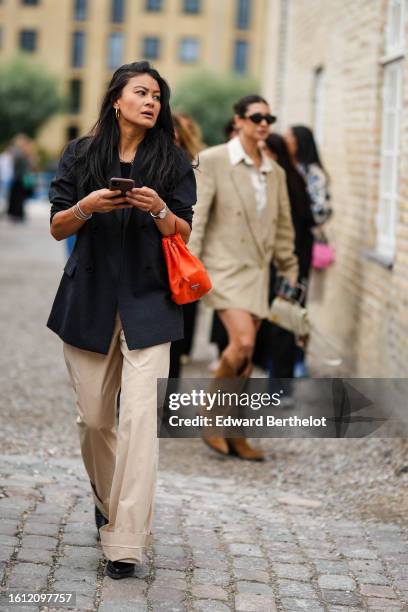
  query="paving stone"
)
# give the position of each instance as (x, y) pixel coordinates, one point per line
(164, 606)
(127, 589)
(209, 592)
(80, 557)
(173, 564)
(33, 555)
(202, 576)
(210, 606)
(320, 553)
(364, 566)
(39, 542)
(253, 575)
(246, 550)
(373, 579)
(247, 602)
(359, 553)
(42, 529)
(372, 590)
(323, 566)
(282, 557)
(296, 604)
(291, 570)
(8, 541)
(341, 598)
(6, 552)
(165, 594)
(384, 605)
(254, 587)
(8, 527)
(46, 519)
(292, 588)
(28, 576)
(250, 563)
(81, 538)
(336, 582)
(174, 552)
(123, 606)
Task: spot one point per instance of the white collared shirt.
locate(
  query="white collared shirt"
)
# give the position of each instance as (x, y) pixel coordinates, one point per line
(258, 175)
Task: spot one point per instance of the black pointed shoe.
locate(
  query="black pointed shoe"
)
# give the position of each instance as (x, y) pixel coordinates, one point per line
(100, 521)
(119, 569)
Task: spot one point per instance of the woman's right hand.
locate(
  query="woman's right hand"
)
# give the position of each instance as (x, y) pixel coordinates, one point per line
(103, 201)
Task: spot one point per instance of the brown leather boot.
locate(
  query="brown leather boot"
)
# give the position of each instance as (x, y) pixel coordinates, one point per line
(224, 370)
(240, 448)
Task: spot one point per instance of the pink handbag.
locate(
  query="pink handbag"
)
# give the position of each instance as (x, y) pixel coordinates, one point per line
(323, 255)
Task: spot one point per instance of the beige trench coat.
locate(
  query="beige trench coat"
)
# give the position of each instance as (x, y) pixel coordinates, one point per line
(235, 245)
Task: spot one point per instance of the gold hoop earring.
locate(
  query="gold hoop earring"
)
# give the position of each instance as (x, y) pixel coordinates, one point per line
(117, 113)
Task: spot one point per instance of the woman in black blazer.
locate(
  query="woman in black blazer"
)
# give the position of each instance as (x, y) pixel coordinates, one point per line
(113, 308)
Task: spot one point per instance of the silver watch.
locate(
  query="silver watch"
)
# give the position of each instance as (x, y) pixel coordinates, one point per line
(161, 214)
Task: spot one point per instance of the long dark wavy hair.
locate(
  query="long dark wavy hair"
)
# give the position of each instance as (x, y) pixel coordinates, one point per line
(307, 152)
(161, 161)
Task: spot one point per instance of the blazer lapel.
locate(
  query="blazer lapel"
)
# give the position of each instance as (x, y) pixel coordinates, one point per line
(243, 185)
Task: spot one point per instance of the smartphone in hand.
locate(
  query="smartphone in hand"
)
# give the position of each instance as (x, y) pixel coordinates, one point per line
(121, 183)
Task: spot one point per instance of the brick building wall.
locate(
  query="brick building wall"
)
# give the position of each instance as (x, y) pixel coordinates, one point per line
(359, 306)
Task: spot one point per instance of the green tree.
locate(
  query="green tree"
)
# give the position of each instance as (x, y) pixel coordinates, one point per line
(28, 97)
(209, 99)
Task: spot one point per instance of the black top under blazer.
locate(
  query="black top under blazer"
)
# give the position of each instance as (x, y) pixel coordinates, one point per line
(117, 265)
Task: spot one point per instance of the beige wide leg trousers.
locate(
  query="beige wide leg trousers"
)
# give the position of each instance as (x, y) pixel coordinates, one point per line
(121, 462)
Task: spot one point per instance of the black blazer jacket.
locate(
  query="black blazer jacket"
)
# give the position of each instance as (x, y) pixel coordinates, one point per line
(117, 265)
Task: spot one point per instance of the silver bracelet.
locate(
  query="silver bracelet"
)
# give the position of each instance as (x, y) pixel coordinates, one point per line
(79, 213)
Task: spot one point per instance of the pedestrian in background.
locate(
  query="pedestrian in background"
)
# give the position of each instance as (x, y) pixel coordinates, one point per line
(21, 186)
(276, 347)
(242, 223)
(188, 138)
(303, 150)
(113, 308)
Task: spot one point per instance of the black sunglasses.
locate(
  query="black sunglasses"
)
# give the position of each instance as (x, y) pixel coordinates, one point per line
(259, 117)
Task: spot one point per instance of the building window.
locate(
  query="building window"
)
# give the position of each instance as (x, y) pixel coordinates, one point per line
(80, 10)
(193, 7)
(151, 47)
(189, 50)
(243, 14)
(72, 132)
(29, 2)
(28, 40)
(391, 128)
(118, 11)
(318, 104)
(75, 96)
(241, 56)
(78, 49)
(154, 5)
(115, 50)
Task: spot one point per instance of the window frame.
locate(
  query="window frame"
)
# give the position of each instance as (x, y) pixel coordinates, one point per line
(115, 36)
(243, 44)
(151, 38)
(149, 8)
(188, 58)
(21, 34)
(114, 17)
(81, 12)
(188, 11)
(78, 35)
(391, 115)
(243, 16)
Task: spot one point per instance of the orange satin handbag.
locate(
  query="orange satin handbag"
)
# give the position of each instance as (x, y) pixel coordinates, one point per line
(188, 278)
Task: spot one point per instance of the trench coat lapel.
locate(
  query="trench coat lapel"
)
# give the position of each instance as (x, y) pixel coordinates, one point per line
(243, 185)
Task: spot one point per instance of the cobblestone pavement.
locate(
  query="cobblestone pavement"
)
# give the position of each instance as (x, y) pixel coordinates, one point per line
(319, 526)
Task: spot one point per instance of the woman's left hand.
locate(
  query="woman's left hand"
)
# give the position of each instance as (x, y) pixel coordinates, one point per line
(145, 199)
